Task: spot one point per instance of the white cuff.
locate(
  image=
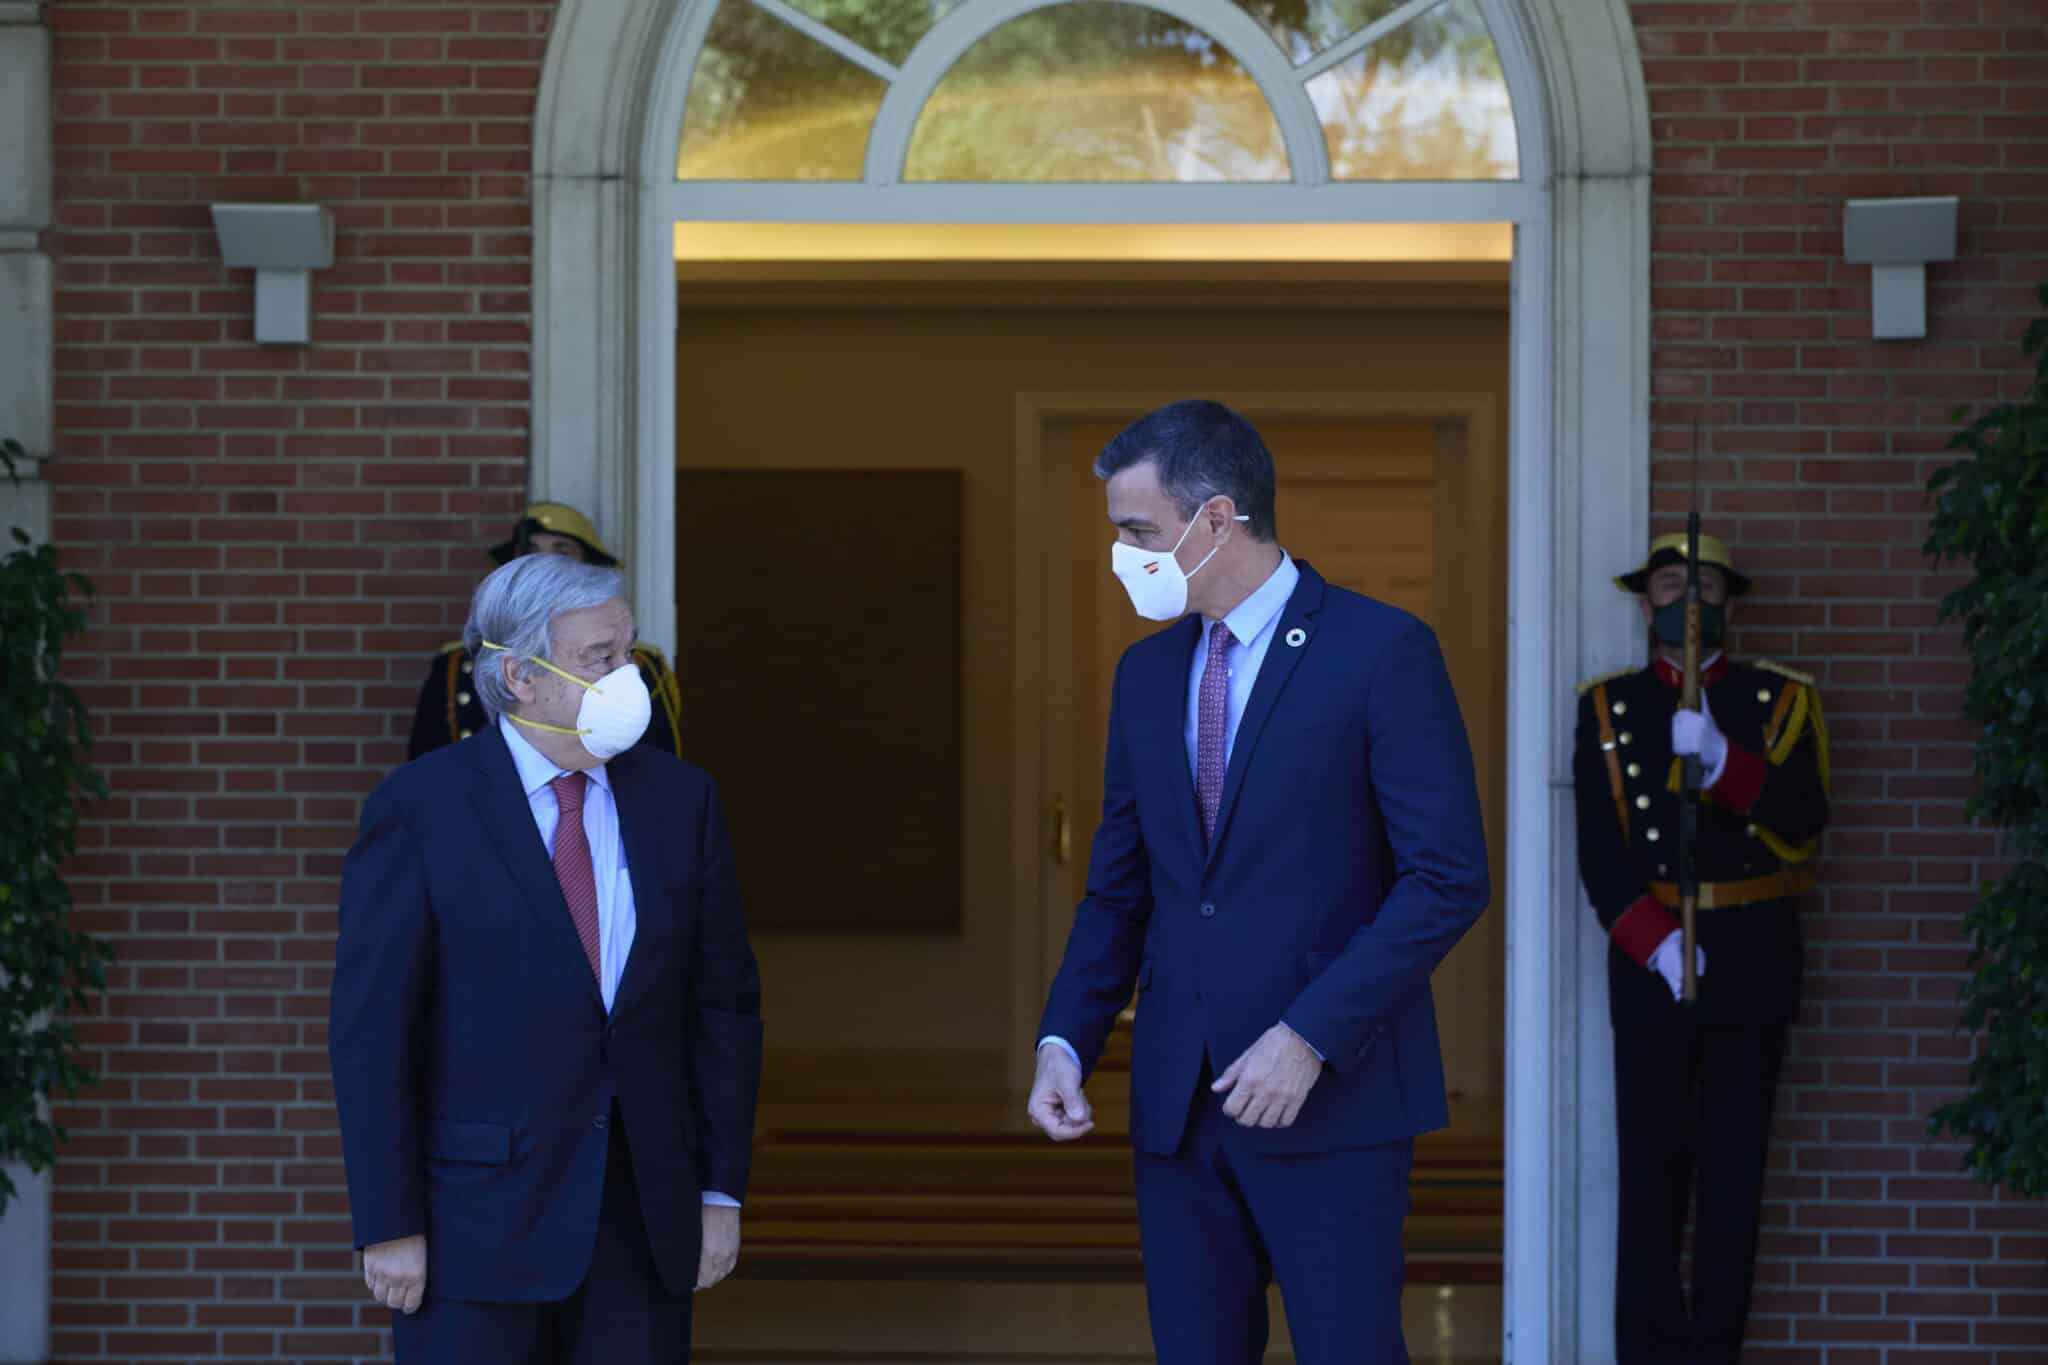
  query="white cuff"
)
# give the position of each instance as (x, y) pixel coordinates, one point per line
(1053, 1040)
(714, 1200)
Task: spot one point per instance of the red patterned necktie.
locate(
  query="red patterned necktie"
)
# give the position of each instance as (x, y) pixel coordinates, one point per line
(1212, 720)
(572, 866)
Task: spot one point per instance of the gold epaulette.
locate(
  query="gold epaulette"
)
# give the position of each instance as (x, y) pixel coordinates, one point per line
(452, 647)
(1794, 674)
(667, 691)
(1589, 684)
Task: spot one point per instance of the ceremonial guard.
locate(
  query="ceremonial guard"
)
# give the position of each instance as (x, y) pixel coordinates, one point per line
(1693, 1077)
(448, 708)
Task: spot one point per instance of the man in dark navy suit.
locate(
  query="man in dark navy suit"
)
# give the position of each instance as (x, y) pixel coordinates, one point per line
(1290, 844)
(545, 1028)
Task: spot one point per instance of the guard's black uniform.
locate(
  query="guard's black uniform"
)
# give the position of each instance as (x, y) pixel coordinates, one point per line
(449, 710)
(1693, 1084)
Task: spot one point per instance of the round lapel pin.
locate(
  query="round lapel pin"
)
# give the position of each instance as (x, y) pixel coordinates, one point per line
(1296, 638)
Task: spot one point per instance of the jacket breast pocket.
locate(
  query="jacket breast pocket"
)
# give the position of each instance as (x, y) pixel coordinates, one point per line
(480, 1144)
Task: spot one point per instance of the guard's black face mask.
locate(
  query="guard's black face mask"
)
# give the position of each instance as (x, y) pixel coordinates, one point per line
(1668, 623)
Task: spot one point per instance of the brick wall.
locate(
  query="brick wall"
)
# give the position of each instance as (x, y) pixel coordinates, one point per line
(280, 539)
(1818, 443)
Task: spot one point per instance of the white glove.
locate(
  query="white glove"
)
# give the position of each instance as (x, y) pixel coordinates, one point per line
(1669, 959)
(1694, 732)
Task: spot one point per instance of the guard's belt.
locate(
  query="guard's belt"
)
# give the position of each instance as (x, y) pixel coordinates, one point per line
(1786, 881)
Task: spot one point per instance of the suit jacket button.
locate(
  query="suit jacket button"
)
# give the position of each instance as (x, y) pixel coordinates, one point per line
(599, 1122)
(1208, 910)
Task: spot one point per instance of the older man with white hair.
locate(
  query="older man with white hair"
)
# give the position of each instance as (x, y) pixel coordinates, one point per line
(545, 1028)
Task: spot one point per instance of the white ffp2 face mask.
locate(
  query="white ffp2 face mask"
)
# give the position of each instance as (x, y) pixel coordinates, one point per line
(614, 713)
(1158, 589)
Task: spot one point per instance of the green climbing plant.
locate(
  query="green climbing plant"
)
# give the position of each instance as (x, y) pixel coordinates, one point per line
(1991, 511)
(47, 967)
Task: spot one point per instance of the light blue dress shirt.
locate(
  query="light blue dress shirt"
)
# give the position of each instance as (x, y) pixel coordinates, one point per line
(1252, 623)
(617, 920)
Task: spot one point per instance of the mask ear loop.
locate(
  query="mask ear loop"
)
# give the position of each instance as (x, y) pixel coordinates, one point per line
(541, 725)
(1241, 516)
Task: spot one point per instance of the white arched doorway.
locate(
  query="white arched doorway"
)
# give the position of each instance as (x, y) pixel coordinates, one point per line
(609, 138)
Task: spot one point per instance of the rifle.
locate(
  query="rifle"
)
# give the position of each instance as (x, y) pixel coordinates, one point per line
(1691, 773)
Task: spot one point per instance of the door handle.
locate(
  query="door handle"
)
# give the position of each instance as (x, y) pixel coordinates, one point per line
(1062, 831)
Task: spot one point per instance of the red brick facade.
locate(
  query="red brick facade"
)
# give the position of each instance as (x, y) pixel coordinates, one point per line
(280, 538)
(1818, 443)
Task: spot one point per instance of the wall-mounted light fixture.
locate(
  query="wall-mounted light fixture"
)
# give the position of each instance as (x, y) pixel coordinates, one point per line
(284, 244)
(1896, 238)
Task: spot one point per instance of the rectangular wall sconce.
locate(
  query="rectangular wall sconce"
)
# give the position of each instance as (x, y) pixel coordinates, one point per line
(1896, 238)
(284, 244)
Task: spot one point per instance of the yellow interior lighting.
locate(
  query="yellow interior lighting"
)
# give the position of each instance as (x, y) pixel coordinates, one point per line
(710, 243)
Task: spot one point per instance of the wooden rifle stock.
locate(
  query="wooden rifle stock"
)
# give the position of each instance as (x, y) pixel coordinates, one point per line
(1691, 774)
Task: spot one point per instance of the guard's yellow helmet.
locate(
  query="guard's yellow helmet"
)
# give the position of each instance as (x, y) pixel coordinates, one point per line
(554, 518)
(1670, 549)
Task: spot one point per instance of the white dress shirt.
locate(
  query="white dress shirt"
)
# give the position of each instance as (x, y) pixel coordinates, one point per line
(616, 917)
(1252, 624)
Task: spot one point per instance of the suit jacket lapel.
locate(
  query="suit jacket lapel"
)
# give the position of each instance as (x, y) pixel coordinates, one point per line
(636, 834)
(501, 803)
(1274, 671)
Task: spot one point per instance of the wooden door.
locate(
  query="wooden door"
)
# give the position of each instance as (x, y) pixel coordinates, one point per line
(1404, 509)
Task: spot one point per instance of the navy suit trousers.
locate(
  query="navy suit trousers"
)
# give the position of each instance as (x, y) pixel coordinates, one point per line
(619, 1315)
(1220, 1221)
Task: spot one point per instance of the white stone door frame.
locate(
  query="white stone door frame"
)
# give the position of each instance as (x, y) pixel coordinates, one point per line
(604, 438)
(27, 408)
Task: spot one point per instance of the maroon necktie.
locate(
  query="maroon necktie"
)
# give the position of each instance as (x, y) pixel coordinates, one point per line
(1212, 720)
(572, 866)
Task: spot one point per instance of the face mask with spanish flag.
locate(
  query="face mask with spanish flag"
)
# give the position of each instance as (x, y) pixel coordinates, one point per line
(1158, 588)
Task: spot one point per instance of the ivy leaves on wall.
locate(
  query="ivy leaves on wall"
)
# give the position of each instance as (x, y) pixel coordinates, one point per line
(1992, 512)
(47, 967)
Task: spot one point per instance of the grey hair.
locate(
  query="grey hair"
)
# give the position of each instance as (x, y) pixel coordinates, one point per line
(516, 607)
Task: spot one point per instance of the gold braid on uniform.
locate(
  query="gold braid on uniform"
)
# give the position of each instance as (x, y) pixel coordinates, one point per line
(1798, 709)
(454, 650)
(666, 690)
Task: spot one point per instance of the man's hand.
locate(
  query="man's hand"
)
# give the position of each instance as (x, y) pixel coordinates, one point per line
(397, 1272)
(1268, 1084)
(1057, 1105)
(1695, 733)
(1668, 961)
(721, 1245)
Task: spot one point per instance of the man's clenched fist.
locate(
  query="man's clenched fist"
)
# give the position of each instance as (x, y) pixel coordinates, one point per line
(1057, 1105)
(721, 1245)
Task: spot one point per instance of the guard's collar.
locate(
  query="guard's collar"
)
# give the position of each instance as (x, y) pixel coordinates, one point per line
(1711, 672)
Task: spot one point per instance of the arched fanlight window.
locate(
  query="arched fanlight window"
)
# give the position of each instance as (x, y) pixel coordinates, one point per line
(1038, 91)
